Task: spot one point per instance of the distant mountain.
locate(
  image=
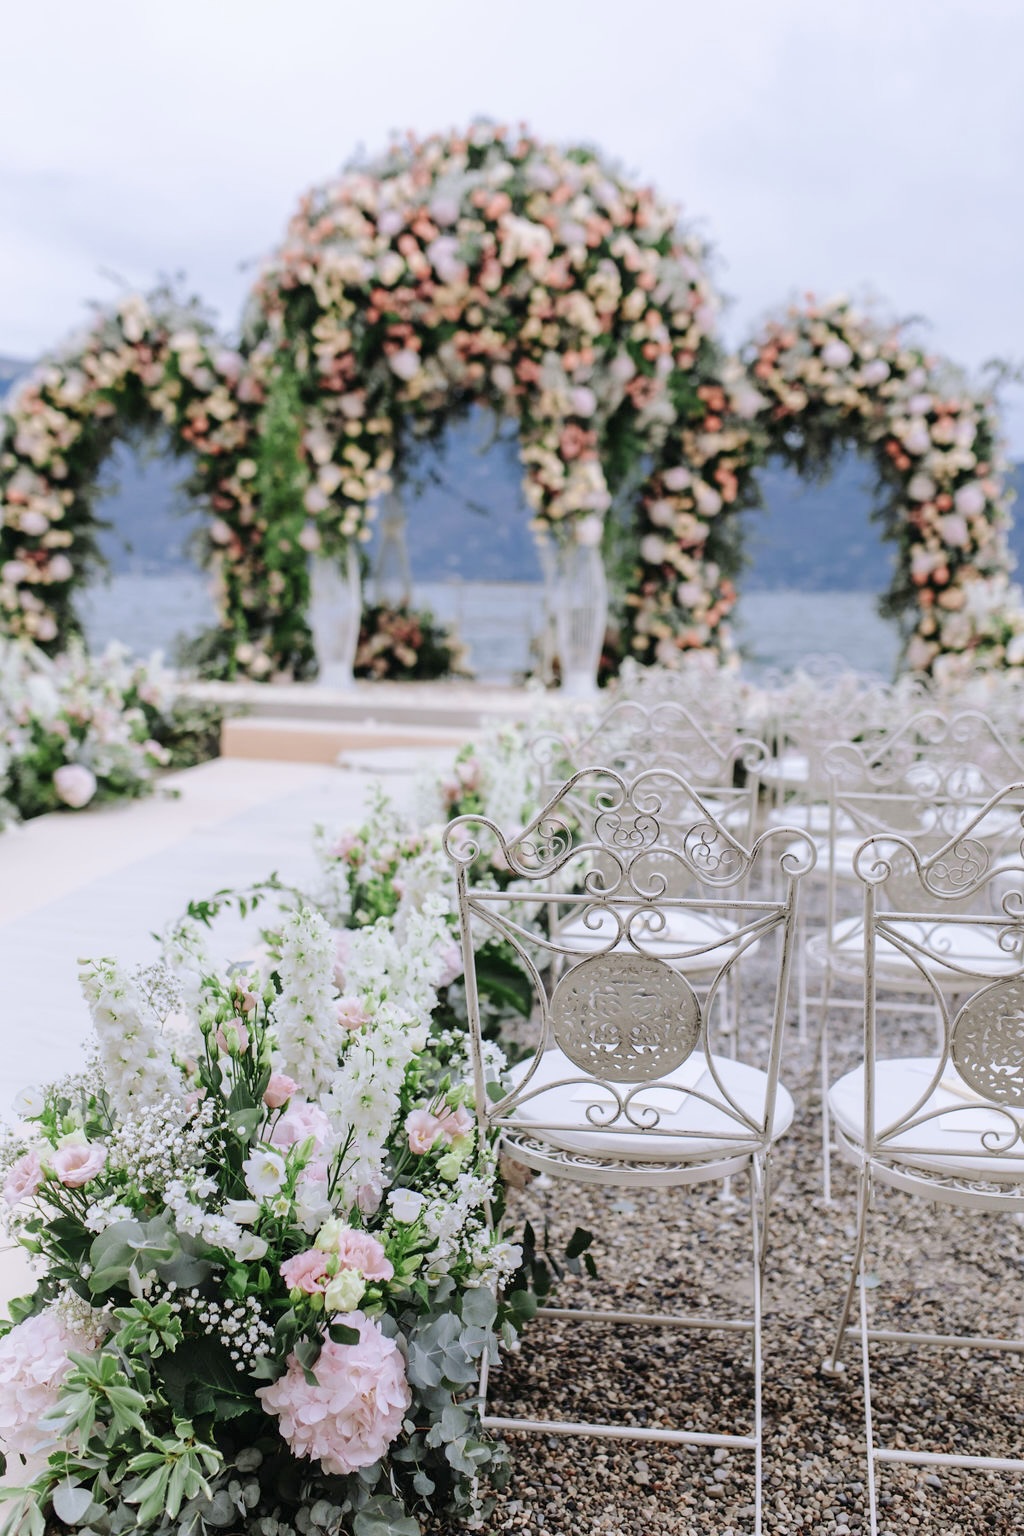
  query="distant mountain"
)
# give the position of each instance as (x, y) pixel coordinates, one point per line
(466, 517)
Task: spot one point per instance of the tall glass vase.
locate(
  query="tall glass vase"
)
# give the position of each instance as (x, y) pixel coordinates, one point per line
(336, 607)
(581, 617)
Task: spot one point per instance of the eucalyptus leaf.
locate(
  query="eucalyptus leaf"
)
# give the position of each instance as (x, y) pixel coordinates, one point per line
(71, 1503)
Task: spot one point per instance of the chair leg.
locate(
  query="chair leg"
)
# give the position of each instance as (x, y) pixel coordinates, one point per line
(826, 1118)
(869, 1432)
(757, 1276)
(833, 1366)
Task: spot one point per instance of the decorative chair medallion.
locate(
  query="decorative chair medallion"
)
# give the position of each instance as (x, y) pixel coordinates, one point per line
(987, 1044)
(626, 1018)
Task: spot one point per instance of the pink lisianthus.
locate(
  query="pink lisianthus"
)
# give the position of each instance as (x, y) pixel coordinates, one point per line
(355, 1410)
(33, 1364)
(351, 1013)
(455, 1122)
(305, 1271)
(451, 964)
(76, 1164)
(301, 1120)
(23, 1178)
(279, 1090)
(422, 1129)
(344, 846)
(233, 1038)
(359, 1250)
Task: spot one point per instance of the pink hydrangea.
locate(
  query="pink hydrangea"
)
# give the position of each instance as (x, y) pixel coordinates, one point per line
(358, 1250)
(355, 1410)
(299, 1121)
(33, 1364)
(305, 1271)
(78, 1163)
(23, 1178)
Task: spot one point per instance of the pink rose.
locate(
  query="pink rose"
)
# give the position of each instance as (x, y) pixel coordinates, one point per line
(75, 784)
(351, 1013)
(76, 1165)
(279, 1090)
(299, 1121)
(305, 1271)
(23, 1178)
(355, 1410)
(358, 1250)
(423, 1129)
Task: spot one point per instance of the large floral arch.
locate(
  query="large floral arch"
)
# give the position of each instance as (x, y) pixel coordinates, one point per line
(490, 268)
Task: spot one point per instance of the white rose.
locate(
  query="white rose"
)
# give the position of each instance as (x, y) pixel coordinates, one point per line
(836, 354)
(875, 372)
(921, 487)
(661, 514)
(406, 1204)
(707, 498)
(953, 528)
(652, 549)
(264, 1174)
(917, 438)
(677, 478)
(583, 400)
(970, 500)
(61, 568)
(405, 364)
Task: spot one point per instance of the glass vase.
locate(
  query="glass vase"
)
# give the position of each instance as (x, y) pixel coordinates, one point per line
(335, 609)
(581, 617)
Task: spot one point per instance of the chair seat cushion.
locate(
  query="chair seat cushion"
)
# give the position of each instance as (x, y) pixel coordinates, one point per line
(693, 1124)
(949, 1142)
(965, 948)
(685, 929)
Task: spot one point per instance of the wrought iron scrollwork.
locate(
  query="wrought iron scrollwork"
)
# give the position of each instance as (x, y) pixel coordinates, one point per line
(625, 1018)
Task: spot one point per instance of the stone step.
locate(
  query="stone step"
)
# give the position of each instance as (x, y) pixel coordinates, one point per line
(280, 739)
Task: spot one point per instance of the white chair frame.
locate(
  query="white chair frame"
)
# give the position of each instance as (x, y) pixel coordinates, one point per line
(906, 1122)
(622, 1032)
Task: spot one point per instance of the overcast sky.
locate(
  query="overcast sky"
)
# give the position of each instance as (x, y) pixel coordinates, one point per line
(861, 146)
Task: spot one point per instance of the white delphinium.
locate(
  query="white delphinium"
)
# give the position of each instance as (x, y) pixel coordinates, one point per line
(305, 1015)
(184, 950)
(136, 1060)
(365, 1097)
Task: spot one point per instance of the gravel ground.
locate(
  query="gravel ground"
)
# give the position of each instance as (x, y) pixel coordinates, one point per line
(932, 1267)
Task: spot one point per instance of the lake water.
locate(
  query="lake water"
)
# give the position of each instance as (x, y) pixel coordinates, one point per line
(500, 621)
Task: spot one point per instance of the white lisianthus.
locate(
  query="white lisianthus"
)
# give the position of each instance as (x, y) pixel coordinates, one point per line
(28, 1103)
(344, 1292)
(264, 1174)
(406, 1204)
(249, 1248)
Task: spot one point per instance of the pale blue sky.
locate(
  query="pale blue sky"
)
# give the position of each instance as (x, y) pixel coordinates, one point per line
(834, 145)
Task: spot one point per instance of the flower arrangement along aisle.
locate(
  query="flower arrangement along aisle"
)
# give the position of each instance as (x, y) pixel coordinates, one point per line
(82, 730)
(267, 1276)
(406, 645)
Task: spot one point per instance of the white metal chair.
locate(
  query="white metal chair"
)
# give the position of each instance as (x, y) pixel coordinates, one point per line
(947, 1127)
(925, 781)
(624, 1083)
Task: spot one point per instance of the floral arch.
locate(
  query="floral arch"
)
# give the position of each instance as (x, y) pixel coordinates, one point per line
(827, 375)
(488, 267)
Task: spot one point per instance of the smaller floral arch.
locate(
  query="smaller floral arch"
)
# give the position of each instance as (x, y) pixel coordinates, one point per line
(829, 374)
(145, 360)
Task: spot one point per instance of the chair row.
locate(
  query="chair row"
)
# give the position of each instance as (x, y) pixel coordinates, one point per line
(635, 902)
